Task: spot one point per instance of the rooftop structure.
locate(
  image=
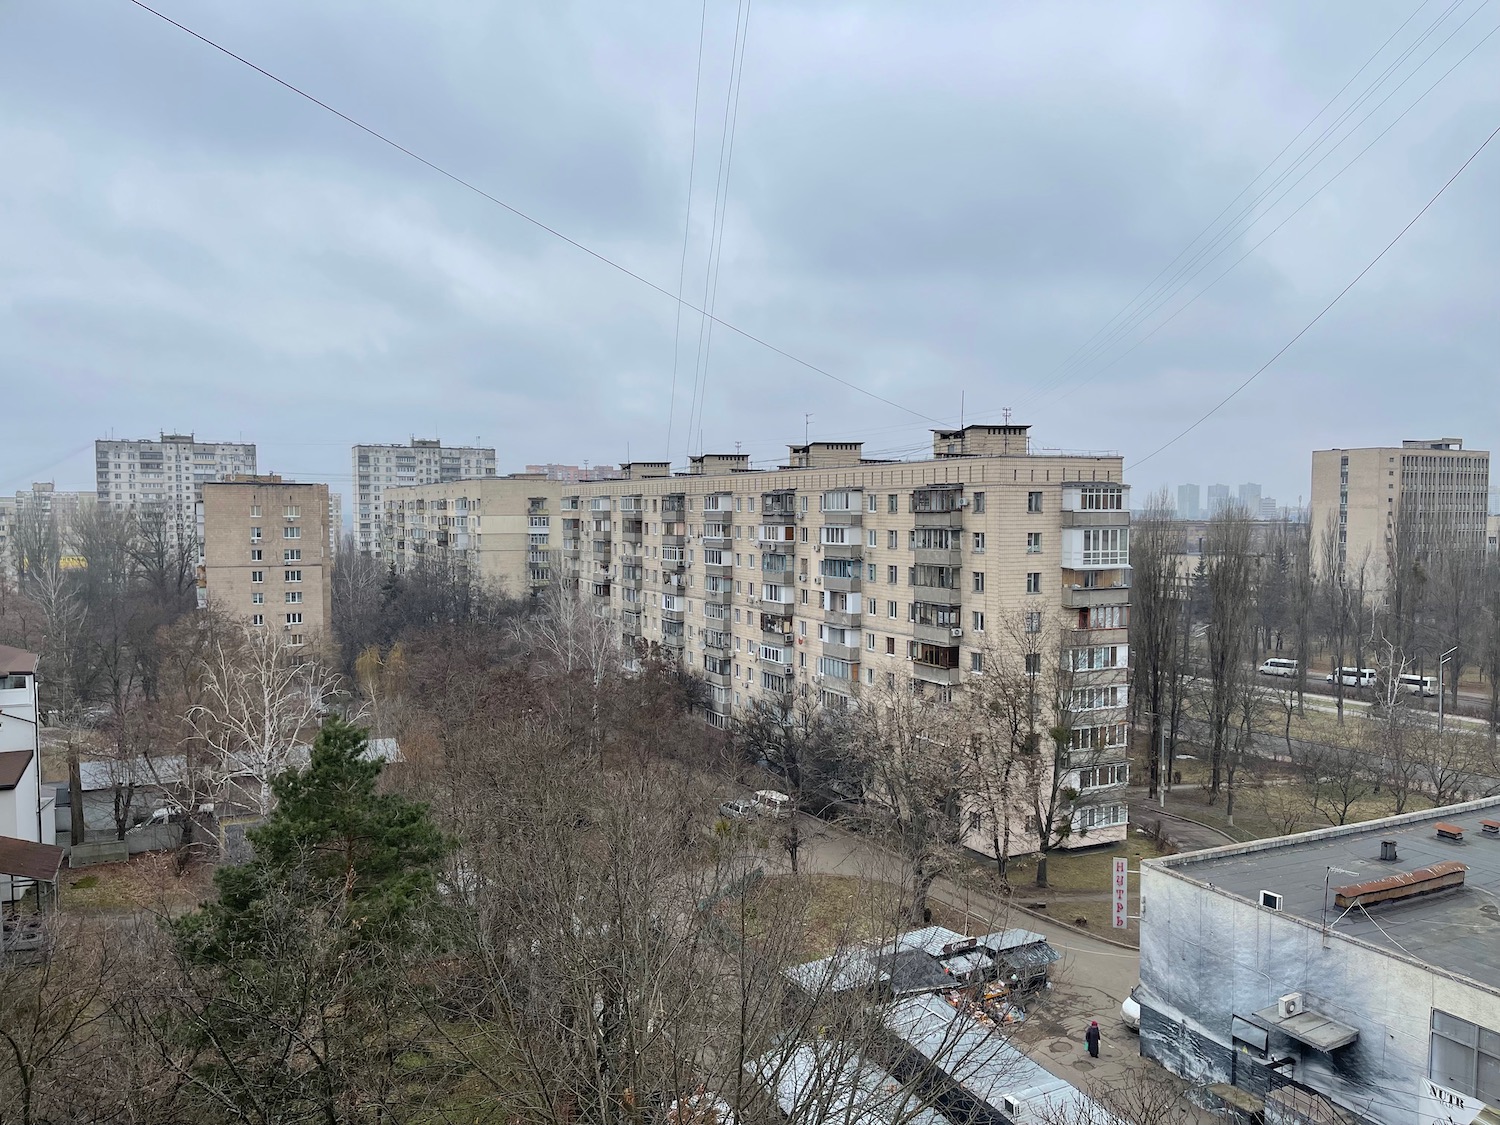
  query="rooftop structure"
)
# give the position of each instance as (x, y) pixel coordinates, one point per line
(423, 461)
(1357, 964)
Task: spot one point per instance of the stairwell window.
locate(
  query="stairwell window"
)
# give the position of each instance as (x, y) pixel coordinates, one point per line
(1034, 582)
(1033, 501)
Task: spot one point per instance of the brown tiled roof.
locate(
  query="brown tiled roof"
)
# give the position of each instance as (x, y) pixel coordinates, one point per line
(26, 860)
(16, 660)
(13, 765)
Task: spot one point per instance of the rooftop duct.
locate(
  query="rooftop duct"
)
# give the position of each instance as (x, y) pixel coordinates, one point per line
(1408, 884)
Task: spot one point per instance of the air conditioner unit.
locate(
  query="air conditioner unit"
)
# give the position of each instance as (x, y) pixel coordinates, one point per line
(1289, 1005)
(963, 502)
(957, 632)
(1270, 900)
(1011, 1106)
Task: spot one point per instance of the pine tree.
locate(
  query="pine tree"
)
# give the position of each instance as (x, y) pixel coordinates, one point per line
(288, 1010)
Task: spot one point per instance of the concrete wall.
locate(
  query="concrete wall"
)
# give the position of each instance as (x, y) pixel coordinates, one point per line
(1207, 956)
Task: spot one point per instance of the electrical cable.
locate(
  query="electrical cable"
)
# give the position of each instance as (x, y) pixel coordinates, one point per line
(1324, 311)
(717, 253)
(538, 223)
(1269, 234)
(1172, 284)
(687, 226)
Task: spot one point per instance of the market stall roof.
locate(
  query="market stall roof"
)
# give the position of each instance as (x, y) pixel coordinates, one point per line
(27, 860)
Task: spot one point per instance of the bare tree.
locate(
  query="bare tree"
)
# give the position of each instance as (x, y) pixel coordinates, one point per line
(262, 700)
(1231, 585)
(1158, 664)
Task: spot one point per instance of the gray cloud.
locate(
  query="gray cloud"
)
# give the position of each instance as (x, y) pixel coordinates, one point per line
(933, 203)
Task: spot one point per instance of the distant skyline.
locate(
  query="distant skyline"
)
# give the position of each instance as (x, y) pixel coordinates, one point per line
(948, 208)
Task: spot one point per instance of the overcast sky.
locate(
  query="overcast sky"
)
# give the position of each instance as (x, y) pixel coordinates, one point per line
(939, 203)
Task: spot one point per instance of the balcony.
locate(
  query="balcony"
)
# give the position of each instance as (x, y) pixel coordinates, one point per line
(843, 618)
(630, 623)
(841, 652)
(715, 641)
(630, 532)
(778, 507)
(849, 584)
(722, 596)
(939, 556)
(1094, 519)
(1086, 597)
(934, 634)
(854, 550)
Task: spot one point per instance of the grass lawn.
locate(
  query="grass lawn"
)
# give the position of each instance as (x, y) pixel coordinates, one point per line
(146, 882)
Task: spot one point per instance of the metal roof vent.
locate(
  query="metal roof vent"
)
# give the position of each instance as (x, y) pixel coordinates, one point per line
(1388, 851)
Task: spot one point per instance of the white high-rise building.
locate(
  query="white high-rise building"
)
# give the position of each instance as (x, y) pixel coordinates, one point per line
(167, 474)
(424, 461)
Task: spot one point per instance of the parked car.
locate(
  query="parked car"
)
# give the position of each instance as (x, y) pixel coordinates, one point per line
(1276, 666)
(1130, 1011)
(738, 809)
(775, 805)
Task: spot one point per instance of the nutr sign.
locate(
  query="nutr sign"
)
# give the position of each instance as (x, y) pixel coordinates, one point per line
(1438, 1105)
(1121, 877)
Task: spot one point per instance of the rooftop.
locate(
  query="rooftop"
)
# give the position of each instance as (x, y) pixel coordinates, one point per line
(1456, 929)
(16, 661)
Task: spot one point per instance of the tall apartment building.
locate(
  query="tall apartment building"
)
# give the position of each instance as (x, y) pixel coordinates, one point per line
(424, 461)
(1189, 506)
(1249, 499)
(167, 475)
(834, 573)
(266, 554)
(1439, 489)
(1218, 499)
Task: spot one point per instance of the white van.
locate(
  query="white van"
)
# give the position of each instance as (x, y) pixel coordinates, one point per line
(775, 805)
(1417, 685)
(1353, 677)
(1278, 667)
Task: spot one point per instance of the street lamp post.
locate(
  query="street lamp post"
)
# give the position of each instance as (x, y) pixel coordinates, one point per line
(1441, 661)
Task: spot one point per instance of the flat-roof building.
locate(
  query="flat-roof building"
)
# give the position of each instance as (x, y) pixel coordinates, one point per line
(1358, 965)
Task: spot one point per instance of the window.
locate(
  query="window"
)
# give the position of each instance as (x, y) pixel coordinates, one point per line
(1097, 777)
(892, 503)
(1101, 498)
(294, 597)
(294, 619)
(979, 581)
(291, 533)
(256, 554)
(978, 621)
(890, 610)
(890, 646)
(870, 571)
(1034, 582)
(293, 511)
(1033, 664)
(979, 502)
(870, 641)
(874, 502)
(1106, 546)
(1465, 1057)
(979, 542)
(292, 575)
(872, 538)
(976, 662)
(1033, 542)
(257, 598)
(257, 576)
(255, 535)
(893, 575)
(892, 540)
(295, 640)
(255, 511)
(1033, 501)
(258, 619)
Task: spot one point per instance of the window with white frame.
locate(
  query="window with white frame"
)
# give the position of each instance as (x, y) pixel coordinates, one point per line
(291, 533)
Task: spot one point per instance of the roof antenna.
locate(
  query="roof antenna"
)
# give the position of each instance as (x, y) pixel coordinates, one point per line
(960, 410)
(806, 420)
(1006, 413)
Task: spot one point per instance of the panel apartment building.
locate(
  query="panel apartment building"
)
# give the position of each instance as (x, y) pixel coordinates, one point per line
(266, 554)
(833, 573)
(168, 474)
(1364, 494)
(424, 461)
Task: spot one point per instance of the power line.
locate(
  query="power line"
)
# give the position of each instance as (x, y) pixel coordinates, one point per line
(687, 226)
(538, 223)
(1180, 309)
(1323, 312)
(1155, 294)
